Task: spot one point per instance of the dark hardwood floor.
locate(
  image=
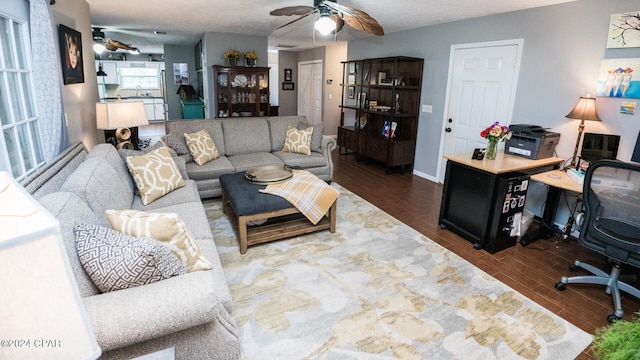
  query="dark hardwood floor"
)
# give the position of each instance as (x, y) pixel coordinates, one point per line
(532, 270)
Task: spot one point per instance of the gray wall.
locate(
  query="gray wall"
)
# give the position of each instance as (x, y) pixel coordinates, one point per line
(214, 46)
(287, 99)
(563, 47)
(178, 54)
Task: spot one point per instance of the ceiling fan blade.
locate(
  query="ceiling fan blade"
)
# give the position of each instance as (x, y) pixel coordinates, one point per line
(355, 18)
(339, 22)
(292, 10)
(298, 19)
(362, 21)
(113, 45)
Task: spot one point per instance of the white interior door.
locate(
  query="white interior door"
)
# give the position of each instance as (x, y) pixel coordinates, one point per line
(481, 90)
(310, 91)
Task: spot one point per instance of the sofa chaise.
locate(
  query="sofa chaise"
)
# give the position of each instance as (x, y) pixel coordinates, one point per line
(190, 312)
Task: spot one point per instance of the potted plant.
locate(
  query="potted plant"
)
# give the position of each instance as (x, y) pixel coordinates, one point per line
(620, 340)
(250, 58)
(232, 57)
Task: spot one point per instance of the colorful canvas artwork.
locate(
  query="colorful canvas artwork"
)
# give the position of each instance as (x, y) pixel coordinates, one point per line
(619, 78)
(624, 30)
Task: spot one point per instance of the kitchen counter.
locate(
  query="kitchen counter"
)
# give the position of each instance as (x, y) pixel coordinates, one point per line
(112, 98)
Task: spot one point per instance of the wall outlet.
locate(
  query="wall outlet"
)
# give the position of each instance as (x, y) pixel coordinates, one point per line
(427, 108)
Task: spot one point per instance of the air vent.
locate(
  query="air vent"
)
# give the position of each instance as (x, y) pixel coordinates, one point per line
(285, 46)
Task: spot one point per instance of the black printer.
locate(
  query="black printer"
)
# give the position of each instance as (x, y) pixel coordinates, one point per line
(531, 141)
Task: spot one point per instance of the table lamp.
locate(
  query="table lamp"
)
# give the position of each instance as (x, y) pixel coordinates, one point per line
(41, 313)
(120, 116)
(585, 109)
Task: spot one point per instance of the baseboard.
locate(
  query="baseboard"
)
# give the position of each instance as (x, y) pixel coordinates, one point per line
(425, 176)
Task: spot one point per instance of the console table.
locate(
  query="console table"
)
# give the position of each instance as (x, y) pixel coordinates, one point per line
(476, 192)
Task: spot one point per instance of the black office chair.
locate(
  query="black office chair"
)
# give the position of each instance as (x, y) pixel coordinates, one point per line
(611, 226)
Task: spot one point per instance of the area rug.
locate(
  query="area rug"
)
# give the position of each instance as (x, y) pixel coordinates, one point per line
(377, 289)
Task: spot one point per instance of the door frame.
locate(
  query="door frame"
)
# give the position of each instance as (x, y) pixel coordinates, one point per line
(300, 95)
(445, 116)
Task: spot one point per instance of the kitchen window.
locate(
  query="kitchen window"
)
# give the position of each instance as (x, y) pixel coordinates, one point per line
(139, 78)
(20, 143)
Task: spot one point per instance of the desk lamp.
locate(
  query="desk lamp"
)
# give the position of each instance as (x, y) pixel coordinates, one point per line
(585, 109)
(120, 116)
(42, 314)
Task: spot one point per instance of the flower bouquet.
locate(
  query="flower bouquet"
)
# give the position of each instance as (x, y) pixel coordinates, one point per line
(495, 133)
(250, 58)
(232, 56)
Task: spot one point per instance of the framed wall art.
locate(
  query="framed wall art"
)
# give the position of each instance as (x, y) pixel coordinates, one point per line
(624, 30)
(619, 78)
(71, 55)
(287, 86)
(288, 75)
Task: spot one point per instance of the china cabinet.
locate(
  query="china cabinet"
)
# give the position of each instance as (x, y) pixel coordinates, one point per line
(241, 91)
(380, 109)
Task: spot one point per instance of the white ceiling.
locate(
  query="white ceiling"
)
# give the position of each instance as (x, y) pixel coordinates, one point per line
(184, 21)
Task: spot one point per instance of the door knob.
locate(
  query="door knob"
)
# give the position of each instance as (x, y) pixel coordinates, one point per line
(447, 129)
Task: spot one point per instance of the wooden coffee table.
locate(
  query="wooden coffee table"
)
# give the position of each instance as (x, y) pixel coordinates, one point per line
(243, 202)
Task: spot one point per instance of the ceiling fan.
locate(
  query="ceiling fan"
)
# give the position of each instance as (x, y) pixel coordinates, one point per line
(332, 18)
(110, 44)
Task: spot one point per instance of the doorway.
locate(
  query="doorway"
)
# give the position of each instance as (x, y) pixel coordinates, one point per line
(310, 92)
(481, 90)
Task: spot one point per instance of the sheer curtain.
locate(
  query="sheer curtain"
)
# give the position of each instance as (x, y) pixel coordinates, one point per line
(46, 76)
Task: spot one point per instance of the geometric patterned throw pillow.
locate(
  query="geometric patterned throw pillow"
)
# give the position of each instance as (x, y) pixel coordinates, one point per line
(115, 261)
(155, 174)
(298, 141)
(316, 135)
(201, 147)
(168, 228)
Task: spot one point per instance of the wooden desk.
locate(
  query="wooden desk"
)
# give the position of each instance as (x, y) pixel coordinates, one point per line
(558, 181)
(476, 194)
(503, 163)
(562, 182)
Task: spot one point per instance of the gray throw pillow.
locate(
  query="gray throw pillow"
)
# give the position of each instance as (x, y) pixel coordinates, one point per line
(316, 136)
(178, 144)
(115, 261)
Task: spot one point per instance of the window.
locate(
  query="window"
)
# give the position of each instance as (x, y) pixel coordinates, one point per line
(139, 78)
(20, 145)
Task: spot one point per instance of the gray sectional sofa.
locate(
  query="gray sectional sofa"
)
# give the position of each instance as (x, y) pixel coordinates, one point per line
(190, 312)
(244, 143)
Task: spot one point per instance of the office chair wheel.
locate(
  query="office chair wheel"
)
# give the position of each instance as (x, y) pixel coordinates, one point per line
(561, 286)
(574, 268)
(612, 317)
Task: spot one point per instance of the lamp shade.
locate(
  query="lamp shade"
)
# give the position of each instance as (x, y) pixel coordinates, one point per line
(585, 109)
(120, 114)
(41, 313)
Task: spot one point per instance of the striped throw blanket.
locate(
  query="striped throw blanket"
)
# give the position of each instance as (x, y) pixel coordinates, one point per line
(310, 195)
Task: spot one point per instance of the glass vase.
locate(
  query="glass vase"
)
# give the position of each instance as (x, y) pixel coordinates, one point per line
(492, 149)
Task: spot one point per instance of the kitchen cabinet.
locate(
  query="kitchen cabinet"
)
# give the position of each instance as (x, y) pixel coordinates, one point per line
(241, 91)
(111, 68)
(380, 110)
(154, 107)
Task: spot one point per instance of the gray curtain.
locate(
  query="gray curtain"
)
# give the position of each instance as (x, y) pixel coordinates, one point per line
(46, 76)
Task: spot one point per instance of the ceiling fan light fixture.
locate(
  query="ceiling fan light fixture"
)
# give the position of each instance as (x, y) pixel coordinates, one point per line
(324, 24)
(99, 47)
(134, 52)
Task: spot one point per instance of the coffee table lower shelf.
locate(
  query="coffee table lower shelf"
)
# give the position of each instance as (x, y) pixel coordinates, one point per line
(280, 224)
